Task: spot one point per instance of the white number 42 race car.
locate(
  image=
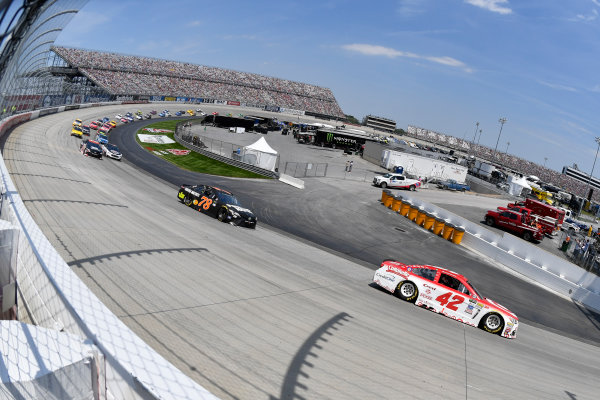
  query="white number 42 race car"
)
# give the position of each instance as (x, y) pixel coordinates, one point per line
(447, 293)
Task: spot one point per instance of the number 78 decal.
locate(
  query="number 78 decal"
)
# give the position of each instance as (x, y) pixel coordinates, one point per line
(444, 300)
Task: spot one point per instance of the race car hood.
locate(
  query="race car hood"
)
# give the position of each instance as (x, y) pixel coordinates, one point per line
(500, 307)
(244, 212)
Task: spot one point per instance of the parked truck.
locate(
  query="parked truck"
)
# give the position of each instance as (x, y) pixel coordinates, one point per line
(543, 210)
(547, 224)
(423, 167)
(451, 184)
(515, 222)
(482, 170)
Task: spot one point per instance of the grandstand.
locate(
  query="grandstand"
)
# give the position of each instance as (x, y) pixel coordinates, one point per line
(512, 162)
(146, 78)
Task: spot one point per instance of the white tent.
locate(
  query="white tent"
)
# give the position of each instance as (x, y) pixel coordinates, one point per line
(260, 154)
(517, 185)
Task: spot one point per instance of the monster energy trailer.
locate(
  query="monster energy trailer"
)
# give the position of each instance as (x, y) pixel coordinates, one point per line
(340, 139)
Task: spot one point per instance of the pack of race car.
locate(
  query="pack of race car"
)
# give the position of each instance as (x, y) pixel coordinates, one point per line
(447, 293)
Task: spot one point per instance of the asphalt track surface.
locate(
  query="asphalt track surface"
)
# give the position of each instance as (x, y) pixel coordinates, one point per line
(357, 227)
(287, 310)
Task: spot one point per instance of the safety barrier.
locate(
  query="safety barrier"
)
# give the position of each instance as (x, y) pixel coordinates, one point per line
(418, 214)
(553, 272)
(54, 297)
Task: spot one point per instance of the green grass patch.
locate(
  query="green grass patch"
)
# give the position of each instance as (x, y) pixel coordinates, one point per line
(193, 161)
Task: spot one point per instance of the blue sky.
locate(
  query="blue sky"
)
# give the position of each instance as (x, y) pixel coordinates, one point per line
(438, 64)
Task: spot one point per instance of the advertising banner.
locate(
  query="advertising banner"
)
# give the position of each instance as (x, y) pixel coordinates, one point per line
(158, 139)
(179, 152)
(233, 103)
(208, 100)
(291, 111)
(157, 98)
(182, 99)
(272, 108)
(96, 99)
(223, 102)
(169, 98)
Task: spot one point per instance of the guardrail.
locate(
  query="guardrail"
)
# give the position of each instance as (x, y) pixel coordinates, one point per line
(551, 271)
(54, 297)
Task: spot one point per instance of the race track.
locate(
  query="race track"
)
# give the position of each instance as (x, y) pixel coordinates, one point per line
(263, 315)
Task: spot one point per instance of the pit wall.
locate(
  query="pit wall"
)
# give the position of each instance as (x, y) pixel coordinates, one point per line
(49, 294)
(550, 271)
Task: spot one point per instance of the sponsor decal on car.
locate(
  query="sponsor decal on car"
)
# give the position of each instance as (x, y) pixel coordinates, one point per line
(386, 277)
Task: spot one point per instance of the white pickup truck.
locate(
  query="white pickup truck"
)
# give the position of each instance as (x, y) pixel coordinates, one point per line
(397, 181)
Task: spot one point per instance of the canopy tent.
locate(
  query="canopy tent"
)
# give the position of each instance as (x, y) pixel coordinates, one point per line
(260, 154)
(517, 185)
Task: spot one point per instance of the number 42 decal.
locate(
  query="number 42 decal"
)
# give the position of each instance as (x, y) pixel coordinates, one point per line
(444, 300)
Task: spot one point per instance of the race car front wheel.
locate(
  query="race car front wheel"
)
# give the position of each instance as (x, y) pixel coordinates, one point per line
(222, 215)
(187, 200)
(492, 323)
(383, 185)
(407, 291)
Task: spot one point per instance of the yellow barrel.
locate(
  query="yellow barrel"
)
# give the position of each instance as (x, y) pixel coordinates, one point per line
(429, 220)
(396, 203)
(438, 225)
(412, 213)
(448, 230)
(384, 195)
(405, 208)
(420, 216)
(388, 201)
(458, 234)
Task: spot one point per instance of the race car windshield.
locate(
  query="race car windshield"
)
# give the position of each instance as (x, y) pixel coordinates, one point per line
(475, 290)
(228, 199)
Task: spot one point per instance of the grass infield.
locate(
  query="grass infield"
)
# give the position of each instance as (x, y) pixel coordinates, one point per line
(193, 161)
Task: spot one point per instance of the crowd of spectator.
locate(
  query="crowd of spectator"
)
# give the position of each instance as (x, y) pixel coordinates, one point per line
(505, 160)
(131, 75)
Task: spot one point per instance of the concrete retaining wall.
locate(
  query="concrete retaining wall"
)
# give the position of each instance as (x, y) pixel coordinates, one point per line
(51, 295)
(525, 258)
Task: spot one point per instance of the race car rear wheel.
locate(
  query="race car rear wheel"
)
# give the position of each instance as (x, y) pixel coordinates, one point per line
(222, 215)
(407, 291)
(492, 323)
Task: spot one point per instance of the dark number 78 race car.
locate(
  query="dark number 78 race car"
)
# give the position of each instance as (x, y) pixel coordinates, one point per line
(218, 203)
(448, 293)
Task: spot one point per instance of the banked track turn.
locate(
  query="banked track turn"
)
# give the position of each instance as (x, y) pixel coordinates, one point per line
(259, 314)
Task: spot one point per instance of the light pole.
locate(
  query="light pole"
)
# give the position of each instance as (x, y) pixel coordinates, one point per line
(545, 159)
(507, 144)
(476, 128)
(479, 137)
(473, 142)
(597, 139)
(502, 120)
